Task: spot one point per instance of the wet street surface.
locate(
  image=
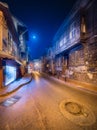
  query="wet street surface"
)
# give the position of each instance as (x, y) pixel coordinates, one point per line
(47, 104)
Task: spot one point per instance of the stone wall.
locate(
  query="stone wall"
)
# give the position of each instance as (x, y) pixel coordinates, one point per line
(83, 64)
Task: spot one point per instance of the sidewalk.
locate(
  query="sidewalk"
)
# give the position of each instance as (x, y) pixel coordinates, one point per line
(77, 85)
(14, 86)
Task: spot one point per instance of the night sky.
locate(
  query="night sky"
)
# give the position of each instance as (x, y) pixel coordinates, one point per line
(43, 18)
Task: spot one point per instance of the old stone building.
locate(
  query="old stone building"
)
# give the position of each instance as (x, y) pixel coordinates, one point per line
(75, 43)
(10, 58)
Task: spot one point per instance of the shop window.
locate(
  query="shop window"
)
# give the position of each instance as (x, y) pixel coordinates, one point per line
(10, 74)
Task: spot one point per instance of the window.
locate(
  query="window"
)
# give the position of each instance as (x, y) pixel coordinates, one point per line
(83, 26)
(61, 43)
(73, 30)
(65, 40)
(10, 72)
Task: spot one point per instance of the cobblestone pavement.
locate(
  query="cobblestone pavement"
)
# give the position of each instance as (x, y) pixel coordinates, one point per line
(46, 104)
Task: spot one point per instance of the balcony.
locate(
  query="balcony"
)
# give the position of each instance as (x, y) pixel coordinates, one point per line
(9, 56)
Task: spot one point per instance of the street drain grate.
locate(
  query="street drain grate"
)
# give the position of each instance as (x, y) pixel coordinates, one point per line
(77, 113)
(10, 101)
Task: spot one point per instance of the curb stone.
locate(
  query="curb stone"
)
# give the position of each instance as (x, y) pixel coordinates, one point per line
(8, 93)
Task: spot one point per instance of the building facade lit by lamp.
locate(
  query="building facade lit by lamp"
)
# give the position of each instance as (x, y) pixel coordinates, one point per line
(75, 44)
(10, 58)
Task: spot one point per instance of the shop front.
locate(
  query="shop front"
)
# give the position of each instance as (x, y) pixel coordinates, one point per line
(11, 71)
(10, 74)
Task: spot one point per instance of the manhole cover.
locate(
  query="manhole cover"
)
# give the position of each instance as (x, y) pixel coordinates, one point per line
(77, 113)
(10, 101)
(73, 108)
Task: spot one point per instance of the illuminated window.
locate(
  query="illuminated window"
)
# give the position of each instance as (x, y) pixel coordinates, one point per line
(10, 72)
(83, 26)
(61, 43)
(70, 35)
(21, 39)
(73, 30)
